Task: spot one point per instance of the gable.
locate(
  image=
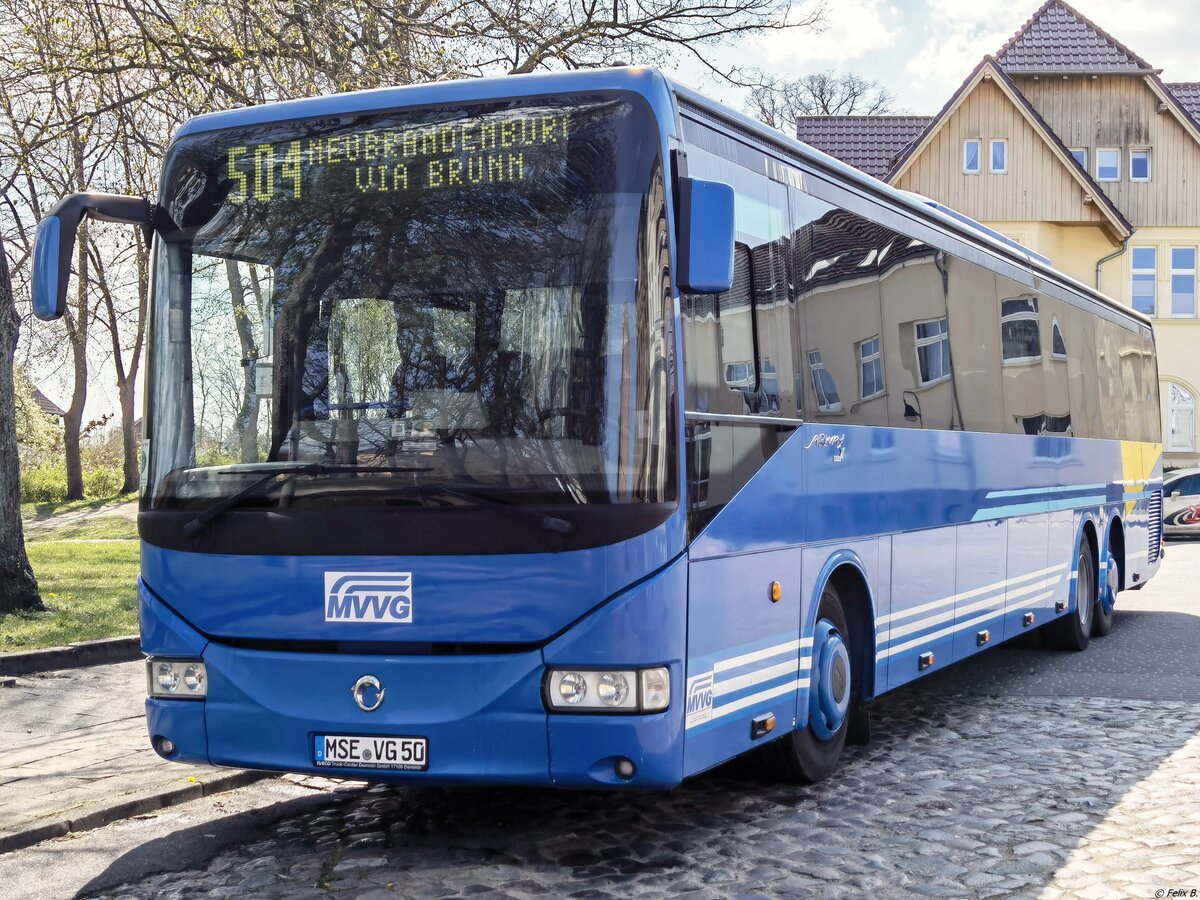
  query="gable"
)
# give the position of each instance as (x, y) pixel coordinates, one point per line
(1037, 186)
(1124, 113)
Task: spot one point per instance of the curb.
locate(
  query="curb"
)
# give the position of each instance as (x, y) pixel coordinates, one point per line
(126, 809)
(72, 656)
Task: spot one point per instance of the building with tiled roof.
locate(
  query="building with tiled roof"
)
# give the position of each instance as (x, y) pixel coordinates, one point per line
(48, 406)
(1069, 142)
(869, 143)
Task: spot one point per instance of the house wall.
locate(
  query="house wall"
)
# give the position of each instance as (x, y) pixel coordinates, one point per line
(1122, 111)
(1074, 249)
(1036, 187)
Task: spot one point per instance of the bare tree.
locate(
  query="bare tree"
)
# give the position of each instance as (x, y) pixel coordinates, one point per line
(91, 90)
(780, 101)
(18, 587)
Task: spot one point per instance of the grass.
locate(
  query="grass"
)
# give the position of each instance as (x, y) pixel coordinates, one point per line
(36, 512)
(97, 528)
(87, 572)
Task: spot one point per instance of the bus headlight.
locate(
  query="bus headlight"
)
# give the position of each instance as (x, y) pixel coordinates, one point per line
(656, 689)
(176, 678)
(608, 690)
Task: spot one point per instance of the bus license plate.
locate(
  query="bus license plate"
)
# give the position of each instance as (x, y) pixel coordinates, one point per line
(361, 751)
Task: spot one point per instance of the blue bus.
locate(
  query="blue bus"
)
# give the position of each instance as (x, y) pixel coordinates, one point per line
(573, 429)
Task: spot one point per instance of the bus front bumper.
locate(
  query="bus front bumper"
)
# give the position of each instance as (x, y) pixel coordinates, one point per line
(482, 716)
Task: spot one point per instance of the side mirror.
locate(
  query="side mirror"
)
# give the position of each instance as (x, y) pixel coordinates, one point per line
(706, 235)
(54, 243)
(1176, 494)
(912, 411)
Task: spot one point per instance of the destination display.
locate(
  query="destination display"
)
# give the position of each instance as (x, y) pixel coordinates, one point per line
(460, 154)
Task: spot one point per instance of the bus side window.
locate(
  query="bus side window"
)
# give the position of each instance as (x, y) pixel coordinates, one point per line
(974, 346)
(1079, 335)
(1152, 422)
(1022, 356)
(841, 350)
(1108, 362)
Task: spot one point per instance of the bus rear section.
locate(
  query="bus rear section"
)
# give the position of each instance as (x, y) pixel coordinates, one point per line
(906, 443)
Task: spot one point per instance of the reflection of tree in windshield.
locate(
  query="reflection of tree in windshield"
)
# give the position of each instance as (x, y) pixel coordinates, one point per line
(499, 331)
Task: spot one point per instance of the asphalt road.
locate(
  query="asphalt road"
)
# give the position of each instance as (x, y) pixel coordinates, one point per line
(1020, 772)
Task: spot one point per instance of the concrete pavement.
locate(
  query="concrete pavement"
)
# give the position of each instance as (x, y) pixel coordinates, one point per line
(76, 755)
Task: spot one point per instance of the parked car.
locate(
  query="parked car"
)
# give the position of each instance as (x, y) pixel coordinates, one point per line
(1181, 503)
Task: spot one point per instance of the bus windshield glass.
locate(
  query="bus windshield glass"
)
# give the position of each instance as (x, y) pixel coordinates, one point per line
(434, 305)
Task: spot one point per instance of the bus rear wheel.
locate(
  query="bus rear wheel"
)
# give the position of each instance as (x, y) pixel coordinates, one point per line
(812, 753)
(1073, 632)
(1110, 583)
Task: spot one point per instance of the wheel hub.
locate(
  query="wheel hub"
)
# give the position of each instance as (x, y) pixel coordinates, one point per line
(829, 692)
(1108, 595)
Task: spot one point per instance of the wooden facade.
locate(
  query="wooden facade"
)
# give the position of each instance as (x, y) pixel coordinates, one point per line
(1123, 111)
(1037, 187)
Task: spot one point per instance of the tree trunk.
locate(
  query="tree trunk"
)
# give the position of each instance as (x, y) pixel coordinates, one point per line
(18, 587)
(128, 437)
(73, 420)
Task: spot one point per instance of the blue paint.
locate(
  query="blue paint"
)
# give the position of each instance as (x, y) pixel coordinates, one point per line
(48, 300)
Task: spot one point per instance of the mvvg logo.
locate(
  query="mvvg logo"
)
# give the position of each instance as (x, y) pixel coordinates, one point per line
(368, 597)
(699, 703)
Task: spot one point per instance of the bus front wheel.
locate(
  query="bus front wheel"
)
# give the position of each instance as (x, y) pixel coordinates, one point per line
(811, 753)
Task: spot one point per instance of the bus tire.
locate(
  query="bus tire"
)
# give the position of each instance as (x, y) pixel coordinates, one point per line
(1072, 632)
(1102, 619)
(802, 756)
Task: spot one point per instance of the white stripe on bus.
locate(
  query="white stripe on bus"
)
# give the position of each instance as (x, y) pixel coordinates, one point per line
(920, 624)
(791, 667)
(926, 638)
(967, 595)
(777, 691)
(723, 665)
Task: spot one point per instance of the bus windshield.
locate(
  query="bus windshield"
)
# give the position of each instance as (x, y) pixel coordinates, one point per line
(433, 304)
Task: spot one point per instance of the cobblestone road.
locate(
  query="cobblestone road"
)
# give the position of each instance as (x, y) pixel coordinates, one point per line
(1022, 773)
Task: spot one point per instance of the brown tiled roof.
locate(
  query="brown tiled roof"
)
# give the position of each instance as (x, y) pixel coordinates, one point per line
(47, 405)
(869, 143)
(1058, 39)
(1188, 95)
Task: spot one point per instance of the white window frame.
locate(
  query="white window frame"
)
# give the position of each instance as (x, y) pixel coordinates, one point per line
(1185, 406)
(1100, 151)
(1149, 164)
(919, 342)
(978, 156)
(1191, 272)
(863, 361)
(819, 364)
(1021, 316)
(1003, 142)
(1082, 162)
(1055, 328)
(1134, 272)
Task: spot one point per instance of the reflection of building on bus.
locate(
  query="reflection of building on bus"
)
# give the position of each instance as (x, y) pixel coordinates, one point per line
(885, 330)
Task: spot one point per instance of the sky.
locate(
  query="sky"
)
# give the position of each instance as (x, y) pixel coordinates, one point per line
(921, 50)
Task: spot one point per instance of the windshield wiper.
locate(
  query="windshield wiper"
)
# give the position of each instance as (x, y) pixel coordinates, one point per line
(210, 513)
(526, 516)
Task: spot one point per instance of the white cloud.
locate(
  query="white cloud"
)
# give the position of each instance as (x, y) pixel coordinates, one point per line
(853, 29)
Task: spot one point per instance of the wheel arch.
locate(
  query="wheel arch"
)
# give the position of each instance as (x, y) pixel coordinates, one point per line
(1116, 540)
(844, 569)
